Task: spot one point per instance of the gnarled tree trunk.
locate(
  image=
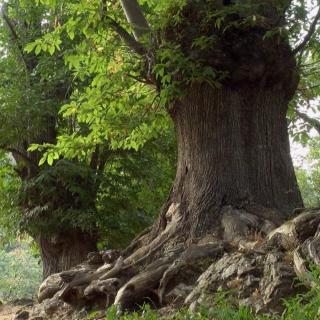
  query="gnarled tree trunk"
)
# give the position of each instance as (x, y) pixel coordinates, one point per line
(233, 150)
(60, 252)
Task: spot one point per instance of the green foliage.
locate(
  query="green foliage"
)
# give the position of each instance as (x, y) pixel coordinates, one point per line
(133, 189)
(176, 71)
(10, 217)
(93, 134)
(300, 16)
(309, 178)
(309, 187)
(20, 273)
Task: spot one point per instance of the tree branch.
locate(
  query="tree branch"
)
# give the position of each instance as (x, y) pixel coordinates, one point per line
(130, 41)
(313, 122)
(19, 153)
(311, 64)
(309, 34)
(136, 18)
(14, 34)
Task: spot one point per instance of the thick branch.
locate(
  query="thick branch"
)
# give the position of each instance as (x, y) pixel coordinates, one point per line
(309, 34)
(19, 153)
(136, 18)
(313, 122)
(130, 41)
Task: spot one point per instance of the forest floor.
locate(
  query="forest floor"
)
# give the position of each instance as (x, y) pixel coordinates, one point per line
(7, 311)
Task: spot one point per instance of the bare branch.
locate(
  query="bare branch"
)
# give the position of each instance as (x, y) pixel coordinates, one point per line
(136, 18)
(313, 122)
(309, 34)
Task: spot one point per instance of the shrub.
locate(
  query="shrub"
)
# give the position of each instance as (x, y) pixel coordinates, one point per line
(20, 273)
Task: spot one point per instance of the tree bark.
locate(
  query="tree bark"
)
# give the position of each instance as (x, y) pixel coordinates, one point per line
(233, 145)
(63, 251)
(136, 18)
(233, 149)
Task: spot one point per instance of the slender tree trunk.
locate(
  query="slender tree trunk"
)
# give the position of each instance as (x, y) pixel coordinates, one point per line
(233, 150)
(63, 251)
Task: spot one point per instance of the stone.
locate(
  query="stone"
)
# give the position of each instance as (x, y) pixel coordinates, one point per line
(21, 315)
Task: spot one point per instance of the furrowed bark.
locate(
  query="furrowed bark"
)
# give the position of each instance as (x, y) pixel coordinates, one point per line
(64, 251)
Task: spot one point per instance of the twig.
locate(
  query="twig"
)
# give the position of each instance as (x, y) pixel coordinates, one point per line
(309, 35)
(313, 122)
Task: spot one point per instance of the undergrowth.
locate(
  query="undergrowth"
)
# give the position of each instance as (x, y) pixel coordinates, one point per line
(302, 307)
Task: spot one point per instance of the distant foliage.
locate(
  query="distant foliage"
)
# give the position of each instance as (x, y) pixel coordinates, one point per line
(20, 273)
(309, 177)
(309, 187)
(10, 216)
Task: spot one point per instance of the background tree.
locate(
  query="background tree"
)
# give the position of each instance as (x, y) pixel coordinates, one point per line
(308, 175)
(63, 206)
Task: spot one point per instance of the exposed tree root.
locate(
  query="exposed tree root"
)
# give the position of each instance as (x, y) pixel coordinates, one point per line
(301, 269)
(212, 250)
(261, 265)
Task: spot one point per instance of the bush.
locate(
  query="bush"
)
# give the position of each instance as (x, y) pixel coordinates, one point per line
(20, 273)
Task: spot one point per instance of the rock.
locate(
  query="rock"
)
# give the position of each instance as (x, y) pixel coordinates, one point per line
(21, 315)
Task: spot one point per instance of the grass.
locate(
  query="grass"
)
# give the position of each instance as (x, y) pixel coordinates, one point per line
(302, 307)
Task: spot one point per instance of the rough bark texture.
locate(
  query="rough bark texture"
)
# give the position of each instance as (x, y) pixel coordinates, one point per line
(233, 149)
(63, 251)
(233, 145)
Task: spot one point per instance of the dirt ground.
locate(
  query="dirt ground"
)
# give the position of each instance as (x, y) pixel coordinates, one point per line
(7, 311)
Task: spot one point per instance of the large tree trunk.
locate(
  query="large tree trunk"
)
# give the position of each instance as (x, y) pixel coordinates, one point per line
(233, 150)
(63, 251)
(233, 145)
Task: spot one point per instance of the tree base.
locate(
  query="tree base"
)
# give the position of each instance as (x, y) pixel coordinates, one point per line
(258, 266)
